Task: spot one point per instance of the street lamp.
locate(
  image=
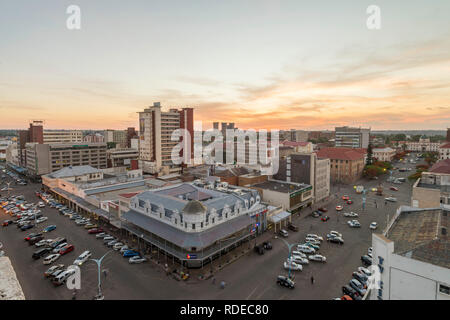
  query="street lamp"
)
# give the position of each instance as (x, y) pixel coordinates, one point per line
(99, 264)
(290, 248)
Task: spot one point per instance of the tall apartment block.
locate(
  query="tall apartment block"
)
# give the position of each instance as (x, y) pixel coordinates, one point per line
(155, 132)
(348, 137)
(46, 158)
(35, 133)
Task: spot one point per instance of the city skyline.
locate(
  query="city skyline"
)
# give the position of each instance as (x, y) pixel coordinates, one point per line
(275, 65)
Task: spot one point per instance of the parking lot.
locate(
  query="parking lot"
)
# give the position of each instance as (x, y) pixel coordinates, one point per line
(251, 277)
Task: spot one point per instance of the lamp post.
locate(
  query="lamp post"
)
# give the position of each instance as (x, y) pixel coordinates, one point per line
(99, 264)
(289, 248)
(9, 189)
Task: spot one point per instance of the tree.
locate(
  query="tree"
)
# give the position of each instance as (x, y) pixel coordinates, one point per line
(369, 155)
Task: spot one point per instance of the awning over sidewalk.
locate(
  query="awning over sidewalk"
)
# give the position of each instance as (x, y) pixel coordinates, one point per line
(277, 217)
(82, 203)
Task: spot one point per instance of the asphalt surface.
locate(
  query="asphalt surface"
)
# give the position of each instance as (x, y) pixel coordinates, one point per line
(252, 277)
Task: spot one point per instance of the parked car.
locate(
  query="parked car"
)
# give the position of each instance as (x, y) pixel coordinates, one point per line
(108, 239)
(38, 254)
(26, 227)
(41, 219)
(285, 282)
(123, 249)
(51, 258)
(44, 242)
(313, 240)
(101, 235)
(66, 249)
(351, 292)
(59, 247)
(336, 240)
(130, 253)
(317, 257)
(373, 226)
(354, 224)
(305, 249)
(32, 235)
(117, 246)
(351, 214)
(90, 226)
(366, 271)
(49, 228)
(314, 236)
(391, 199)
(312, 245)
(349, 201)
(393, 188)
(82, 258)
(361, 277)
(111, 243)
(323, 209)
(34, 240)
(293, 227)
(345, 197)
(339, 208)
(62, 277)
(137, 259)
(292, 266)
(284, 233)
(95, 231)
(325, 218)
(53, 269)
(298, 259)
(336, 233)
(358, 286)
(366, 260)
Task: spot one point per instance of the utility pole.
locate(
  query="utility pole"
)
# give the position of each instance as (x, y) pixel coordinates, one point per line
(289, 248)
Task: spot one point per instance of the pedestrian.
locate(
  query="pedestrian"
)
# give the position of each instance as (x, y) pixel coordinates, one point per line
(214, 280)
(105, 273)
(312, 280)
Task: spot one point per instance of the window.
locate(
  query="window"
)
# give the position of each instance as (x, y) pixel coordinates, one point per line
(193, 226)
(444, 289)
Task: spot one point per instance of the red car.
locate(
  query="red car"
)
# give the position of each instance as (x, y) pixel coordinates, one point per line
(66, 249)
(394, 188)
(323, 209)
(325, 218)
(349, 201)
(345, 197)
(95, 230)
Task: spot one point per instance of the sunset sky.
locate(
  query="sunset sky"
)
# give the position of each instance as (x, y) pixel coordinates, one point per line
(259, 63)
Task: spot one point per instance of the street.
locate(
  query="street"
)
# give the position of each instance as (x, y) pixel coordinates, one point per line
(251, 277)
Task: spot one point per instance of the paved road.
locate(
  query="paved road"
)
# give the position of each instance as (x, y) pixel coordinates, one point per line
(251, 277)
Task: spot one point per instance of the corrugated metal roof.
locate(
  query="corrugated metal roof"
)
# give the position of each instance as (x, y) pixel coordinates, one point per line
(115, 187)
(73, 171)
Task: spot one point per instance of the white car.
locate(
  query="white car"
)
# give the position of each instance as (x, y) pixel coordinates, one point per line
(351, 214)
(315, 236)
(123, 249)
(293, 266)
(305, 249)
(317, 257)
(117, 246)
(43, 242)
(101, 235)
(391, 199)
(354, 224)
(51, 258)
(137, 259)
(373, 226)
(41, 204)
(298, 260)
(335, 233)
(312, 241)
(41, 219)
(299, 254)
(82, 258)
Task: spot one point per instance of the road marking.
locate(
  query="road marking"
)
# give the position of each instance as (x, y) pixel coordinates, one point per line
(251, 293)
(264, 291)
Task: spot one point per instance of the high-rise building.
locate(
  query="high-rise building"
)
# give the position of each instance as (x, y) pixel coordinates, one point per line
(35, 133)
(155, 131)
(348, 137)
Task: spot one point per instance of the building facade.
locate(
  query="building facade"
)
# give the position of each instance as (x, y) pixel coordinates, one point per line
(121, 157)
(155, 144)
(444, 151)
(63, 136)
(348, 137)
(346, 164)
(423, 145)
(383, 154)
(47, 158)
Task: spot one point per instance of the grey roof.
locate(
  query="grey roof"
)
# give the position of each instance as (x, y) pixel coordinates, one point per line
(73, 171)
(184, 239)
(82, 203)
(115, 187)
(194, 207)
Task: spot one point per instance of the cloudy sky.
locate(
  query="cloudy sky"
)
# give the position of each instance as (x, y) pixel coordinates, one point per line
(259, 63)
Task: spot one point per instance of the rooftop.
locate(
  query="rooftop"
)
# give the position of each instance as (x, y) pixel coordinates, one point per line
(445, 146)
(418, 234)
(341, 153)
(73, 171)
(287, 143)
(442, 166)
(281, 186)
